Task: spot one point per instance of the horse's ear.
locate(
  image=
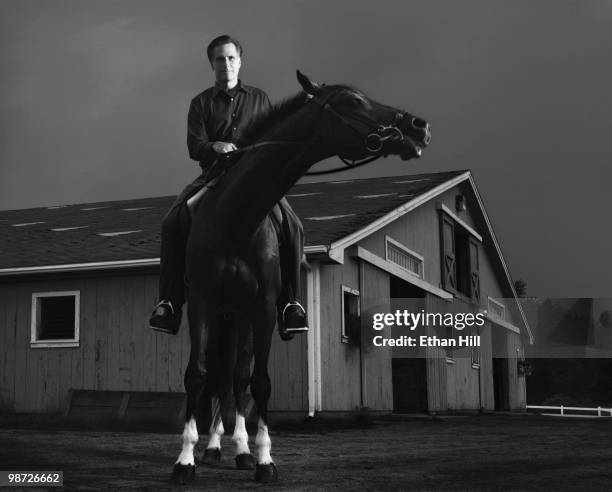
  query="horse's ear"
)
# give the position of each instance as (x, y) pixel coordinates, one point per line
(308, 86)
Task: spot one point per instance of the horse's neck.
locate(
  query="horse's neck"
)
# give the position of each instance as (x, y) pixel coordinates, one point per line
(263, 176)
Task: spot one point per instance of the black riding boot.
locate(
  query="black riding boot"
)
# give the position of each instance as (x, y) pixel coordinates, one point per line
(292, 316)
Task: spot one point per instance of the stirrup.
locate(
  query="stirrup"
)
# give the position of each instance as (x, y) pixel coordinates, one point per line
(289, 304)
(297, 329)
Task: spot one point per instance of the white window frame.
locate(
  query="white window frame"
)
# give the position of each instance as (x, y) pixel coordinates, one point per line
(398, 245)
(35, 318)
(344, 337)
(498, 304)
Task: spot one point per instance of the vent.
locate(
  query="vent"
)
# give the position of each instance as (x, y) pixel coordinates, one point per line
(404, 258)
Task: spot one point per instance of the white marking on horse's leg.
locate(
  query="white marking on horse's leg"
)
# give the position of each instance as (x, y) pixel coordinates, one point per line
(216, 425)
(215, 436)
(241, 437)
(263, 444)
(190, 438)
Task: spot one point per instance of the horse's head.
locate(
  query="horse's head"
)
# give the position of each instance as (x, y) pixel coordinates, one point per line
(361, 128)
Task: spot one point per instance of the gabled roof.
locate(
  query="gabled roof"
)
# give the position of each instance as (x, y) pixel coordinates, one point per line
(130, 229)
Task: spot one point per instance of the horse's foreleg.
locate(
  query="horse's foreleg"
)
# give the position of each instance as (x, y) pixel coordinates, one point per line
(213, 449)
(190, 439)
(244, 459)
(261, 388)
(195, 383)
(263, 443)
(241, 437)
(184, 468)
(265, 471)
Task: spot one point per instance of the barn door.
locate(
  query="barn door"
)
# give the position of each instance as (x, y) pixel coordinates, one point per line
(474, 275)
(449, 269)
(410, 385)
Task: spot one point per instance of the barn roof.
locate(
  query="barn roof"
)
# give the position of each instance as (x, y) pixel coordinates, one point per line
(126, 233)
(130, 229)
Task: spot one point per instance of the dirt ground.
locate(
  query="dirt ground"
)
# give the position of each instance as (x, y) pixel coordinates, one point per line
(451, 453)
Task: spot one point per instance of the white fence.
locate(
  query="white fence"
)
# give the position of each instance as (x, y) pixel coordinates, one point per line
(572, 411)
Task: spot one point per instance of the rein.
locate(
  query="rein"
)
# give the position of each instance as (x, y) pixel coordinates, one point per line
(373, 142)
(347, 164)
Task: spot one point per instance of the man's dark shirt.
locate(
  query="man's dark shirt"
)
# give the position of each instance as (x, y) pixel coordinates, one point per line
(217, 115)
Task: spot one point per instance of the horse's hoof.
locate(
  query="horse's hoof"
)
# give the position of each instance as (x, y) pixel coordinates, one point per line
(245, 461)
(266, 473)
(212, 456)
(183, 474)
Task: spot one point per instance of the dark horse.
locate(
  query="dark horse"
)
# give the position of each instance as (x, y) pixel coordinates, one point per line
(233, 255)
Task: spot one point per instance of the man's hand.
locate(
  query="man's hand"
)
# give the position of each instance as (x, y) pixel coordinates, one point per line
(223, 147)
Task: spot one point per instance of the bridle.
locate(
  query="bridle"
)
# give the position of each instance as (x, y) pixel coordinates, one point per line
(373, 142)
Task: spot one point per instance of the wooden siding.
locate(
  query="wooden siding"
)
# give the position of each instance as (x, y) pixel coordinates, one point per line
(508, 345)
(487, 396)
(437, 378)
(351, 378)
(457, 385)
(419, 230)
(517, 382)
(340, 362)
(8, 337)
(288, 367)
(117, 350)
(376, 365)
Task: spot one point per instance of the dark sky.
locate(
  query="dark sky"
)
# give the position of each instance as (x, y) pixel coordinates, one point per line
(94, 97)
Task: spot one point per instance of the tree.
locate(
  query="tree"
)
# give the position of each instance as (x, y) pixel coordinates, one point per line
(520, 286)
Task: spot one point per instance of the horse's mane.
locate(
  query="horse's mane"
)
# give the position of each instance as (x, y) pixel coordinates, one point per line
(278, 112)
(265, 120)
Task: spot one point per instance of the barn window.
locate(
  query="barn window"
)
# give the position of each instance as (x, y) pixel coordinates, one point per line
(460, 262)
(351, 315)
(55, 319)
(401, 256)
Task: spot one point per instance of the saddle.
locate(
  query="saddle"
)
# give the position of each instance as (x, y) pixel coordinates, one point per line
(213, 177)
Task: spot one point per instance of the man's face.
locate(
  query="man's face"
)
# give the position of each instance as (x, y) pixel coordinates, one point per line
(226, 63)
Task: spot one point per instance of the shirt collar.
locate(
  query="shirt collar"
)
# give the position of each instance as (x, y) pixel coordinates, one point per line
(239, 87)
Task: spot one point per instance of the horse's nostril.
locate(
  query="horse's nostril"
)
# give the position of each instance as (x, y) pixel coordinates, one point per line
(427, 139)
(419, 124)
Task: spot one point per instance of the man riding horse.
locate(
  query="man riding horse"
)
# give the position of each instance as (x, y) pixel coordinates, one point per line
(233, 254)
(216, 122)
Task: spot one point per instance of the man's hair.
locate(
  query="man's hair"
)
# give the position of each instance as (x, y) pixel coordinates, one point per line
(220, 41)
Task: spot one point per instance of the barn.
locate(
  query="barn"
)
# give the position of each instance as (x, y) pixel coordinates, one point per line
(77, 284)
